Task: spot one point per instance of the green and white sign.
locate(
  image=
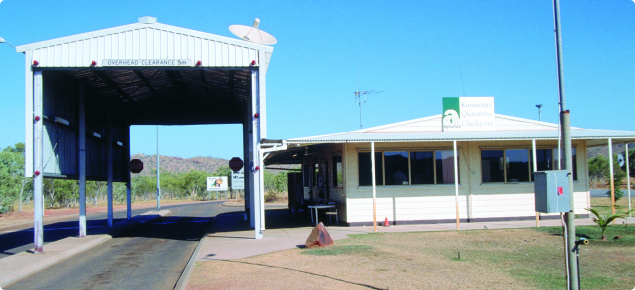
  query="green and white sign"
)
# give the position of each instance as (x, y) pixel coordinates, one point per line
(468, 114)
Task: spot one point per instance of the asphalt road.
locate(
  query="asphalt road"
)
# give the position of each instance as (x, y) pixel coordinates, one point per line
(151, 256)
(16, 241)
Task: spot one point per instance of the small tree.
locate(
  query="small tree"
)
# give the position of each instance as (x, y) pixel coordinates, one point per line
(603, 221)
(598, 170)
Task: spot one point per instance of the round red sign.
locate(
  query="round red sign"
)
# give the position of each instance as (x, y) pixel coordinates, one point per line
(236, 164)
(135, 166)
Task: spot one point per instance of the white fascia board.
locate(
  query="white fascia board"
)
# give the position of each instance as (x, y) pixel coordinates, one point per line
(134, 26)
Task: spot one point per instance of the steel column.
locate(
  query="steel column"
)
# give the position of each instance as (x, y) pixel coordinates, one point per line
(109, 161)
(158, 175)
(38, 163)
(129, 184)
(246, 150)
(261, 134)
(456, 184)
(628, 183)
(535, 159)
(611, 175)
(258, 192)
(372, 164)
(82, 161)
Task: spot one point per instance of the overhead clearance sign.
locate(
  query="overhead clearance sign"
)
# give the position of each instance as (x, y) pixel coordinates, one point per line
(147, 62)
(468, 114)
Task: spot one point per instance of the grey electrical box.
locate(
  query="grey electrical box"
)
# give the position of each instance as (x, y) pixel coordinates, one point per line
(552, 191)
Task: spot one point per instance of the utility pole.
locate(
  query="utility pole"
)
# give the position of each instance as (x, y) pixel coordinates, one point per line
(358, 98)
(565, 158)
(539, 115)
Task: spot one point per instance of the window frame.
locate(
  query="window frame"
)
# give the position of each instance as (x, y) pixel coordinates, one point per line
(530, 153)
(382, 181)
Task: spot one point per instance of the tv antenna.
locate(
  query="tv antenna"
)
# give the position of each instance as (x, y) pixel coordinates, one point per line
(358, 98)
(252, 33)
(539, 115)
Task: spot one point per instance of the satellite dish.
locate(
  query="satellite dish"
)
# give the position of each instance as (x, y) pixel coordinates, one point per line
(252, 33)
(620, 160)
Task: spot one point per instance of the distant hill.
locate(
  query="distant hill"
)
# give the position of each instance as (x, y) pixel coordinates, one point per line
(604, 150)
(178, 164)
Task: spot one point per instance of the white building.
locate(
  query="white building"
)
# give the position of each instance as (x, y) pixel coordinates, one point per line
(415, 181)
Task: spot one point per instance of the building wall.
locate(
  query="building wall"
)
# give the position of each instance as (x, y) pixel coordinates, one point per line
(435, 203)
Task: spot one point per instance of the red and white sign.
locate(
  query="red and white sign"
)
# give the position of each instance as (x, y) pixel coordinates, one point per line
(135, 166)
(236, 164)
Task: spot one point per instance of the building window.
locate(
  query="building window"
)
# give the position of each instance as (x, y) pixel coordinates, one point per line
(422, 166)
(408, 167)
(492, 165)
(544, 160)
(365, 172)
(337, 171)
(396, 166)
(445, 166)
(516, 165)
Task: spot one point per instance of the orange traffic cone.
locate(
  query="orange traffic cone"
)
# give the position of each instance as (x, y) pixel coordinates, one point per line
(386, 222)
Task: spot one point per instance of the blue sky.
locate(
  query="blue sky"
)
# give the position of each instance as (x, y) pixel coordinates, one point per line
(413, 51)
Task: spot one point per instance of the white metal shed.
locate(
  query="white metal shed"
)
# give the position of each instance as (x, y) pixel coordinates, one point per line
(84, 91)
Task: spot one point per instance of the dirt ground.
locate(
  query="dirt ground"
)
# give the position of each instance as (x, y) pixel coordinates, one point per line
(478, 259)
(380, 261)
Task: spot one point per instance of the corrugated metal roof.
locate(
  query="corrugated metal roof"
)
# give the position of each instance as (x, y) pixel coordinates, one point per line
(392, 133)
(460, 136)
(146, 40)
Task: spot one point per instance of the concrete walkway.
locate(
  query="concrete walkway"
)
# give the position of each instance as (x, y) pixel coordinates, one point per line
(21, 265)
(232, 238)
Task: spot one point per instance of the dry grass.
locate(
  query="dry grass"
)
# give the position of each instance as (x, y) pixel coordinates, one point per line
(603, 204)
(17, 218)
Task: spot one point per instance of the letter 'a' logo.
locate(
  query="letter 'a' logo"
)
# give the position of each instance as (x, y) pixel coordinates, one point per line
(451, 114)
(451, 117)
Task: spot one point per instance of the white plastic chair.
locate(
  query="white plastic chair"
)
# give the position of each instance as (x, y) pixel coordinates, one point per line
(334, 212)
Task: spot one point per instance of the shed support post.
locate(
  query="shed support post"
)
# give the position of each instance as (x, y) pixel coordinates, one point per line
(254, 153)
(456, 184)
(261, 134)
(109, 165)
(38, 164)
(82, 161)
(611, 175)
(372, 164)
(129, 184)
(628, 183)
(535, 159)
(246, 149)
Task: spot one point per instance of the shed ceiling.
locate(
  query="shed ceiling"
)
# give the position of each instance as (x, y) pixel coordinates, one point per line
(169, 96)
